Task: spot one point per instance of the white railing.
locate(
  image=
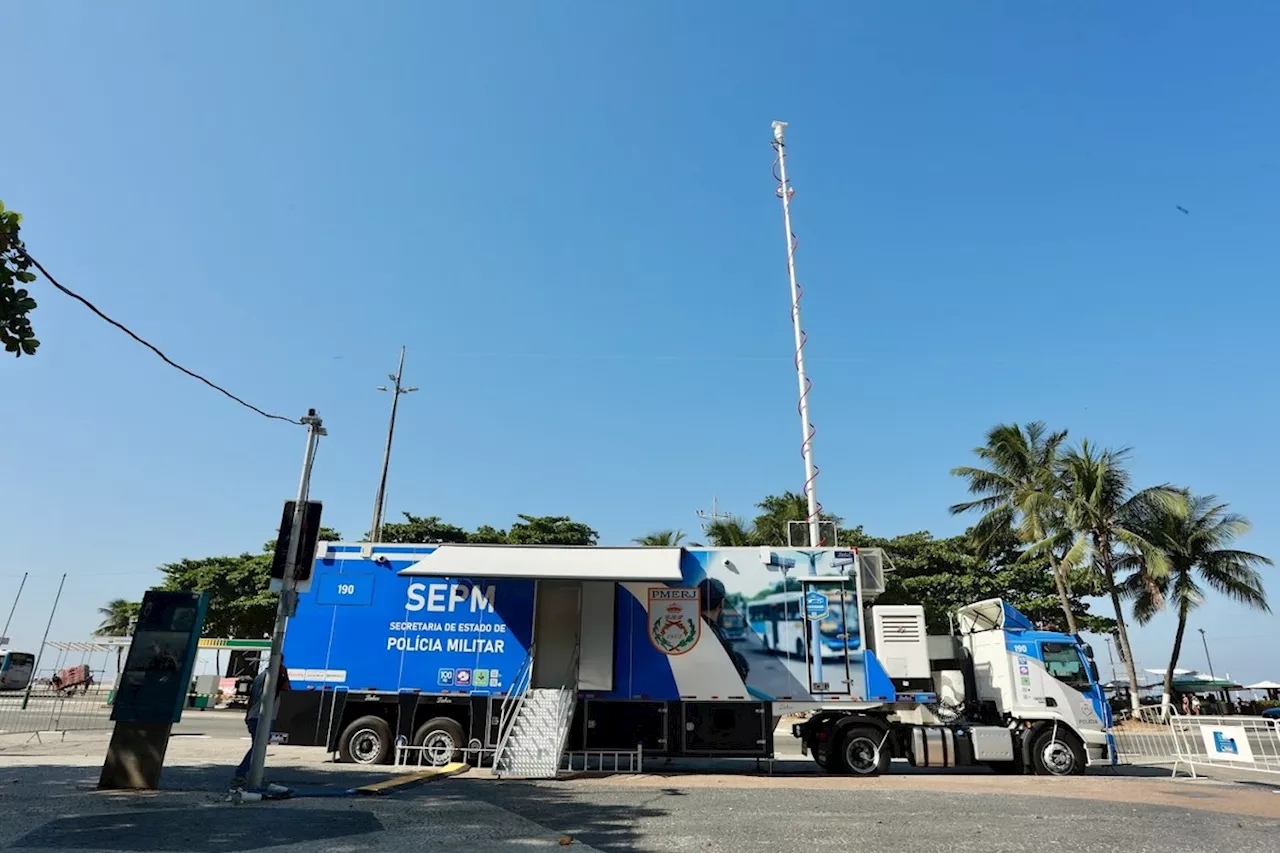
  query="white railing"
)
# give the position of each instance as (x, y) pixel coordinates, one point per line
(1249, 744)
(511, 705)
(1237, 743)
(604, 761)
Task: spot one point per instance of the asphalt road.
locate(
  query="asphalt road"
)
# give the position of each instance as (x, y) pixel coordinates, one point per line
(469, 816)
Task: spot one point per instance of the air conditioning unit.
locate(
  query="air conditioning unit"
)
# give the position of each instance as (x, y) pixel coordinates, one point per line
(901, 644)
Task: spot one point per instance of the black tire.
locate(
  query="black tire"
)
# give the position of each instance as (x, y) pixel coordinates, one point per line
(1006, 768)
(862, 751)
(1057, 755)
(443, 738)
(366, 741)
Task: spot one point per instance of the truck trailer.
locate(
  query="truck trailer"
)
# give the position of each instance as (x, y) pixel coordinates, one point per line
(522, 657)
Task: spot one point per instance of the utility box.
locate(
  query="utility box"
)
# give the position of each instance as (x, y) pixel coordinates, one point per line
(901, 644)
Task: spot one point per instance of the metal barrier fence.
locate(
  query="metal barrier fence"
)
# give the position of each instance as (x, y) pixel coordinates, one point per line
(49, 709)
(1249, 744)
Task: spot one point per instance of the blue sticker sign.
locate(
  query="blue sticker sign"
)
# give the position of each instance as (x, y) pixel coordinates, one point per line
(815, 605)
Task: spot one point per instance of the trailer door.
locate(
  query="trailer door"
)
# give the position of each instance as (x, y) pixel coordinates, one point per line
(830, 609)
(557, 621)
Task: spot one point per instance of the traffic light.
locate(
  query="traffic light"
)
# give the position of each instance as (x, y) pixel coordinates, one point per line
(306, 555)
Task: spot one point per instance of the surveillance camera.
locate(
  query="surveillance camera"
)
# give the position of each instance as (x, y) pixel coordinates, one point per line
(727, 562)
(381, 558)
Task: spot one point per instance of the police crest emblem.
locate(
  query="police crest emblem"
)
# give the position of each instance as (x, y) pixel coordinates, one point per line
(675, 618)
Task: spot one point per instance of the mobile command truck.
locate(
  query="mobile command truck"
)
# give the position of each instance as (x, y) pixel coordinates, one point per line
(526, 657)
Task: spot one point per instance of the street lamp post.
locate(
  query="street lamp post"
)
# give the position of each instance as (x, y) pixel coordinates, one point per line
(1208, 659)
(396, 389)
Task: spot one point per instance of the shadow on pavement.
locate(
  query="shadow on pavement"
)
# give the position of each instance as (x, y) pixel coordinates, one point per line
(52, 808)
(197, 830)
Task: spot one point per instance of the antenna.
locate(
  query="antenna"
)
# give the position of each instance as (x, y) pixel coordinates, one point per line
(710, 518)
(785, 192)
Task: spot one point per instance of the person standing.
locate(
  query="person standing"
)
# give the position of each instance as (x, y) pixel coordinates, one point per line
(254, 714)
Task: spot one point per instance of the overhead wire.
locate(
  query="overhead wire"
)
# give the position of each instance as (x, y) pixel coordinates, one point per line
(69, 292)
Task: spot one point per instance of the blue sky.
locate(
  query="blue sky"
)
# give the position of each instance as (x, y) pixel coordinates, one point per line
(565, 211)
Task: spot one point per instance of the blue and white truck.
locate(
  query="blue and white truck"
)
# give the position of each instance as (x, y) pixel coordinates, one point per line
(523, 656)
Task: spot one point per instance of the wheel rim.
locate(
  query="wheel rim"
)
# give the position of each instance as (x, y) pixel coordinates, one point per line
(1058, 758)
(365, 746)
(438, 747)
(862, 754)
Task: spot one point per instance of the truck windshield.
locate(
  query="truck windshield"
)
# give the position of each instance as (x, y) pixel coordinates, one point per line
(1064, 663)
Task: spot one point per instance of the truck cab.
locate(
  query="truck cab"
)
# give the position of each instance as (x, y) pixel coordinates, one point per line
(1000, 693)
(1031, 678)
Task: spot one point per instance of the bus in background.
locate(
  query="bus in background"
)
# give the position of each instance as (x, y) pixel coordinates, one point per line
(732, 625)
(16, 669)
(778, 621)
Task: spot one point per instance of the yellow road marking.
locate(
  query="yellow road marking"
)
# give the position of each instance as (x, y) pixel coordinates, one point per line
(426, 774)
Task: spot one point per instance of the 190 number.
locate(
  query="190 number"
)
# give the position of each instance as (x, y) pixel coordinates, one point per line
(346, 589)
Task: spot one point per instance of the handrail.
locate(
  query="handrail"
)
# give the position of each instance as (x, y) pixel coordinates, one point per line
(506, 721)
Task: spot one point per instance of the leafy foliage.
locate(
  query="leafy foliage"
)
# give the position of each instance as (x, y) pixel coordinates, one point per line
(423, 529)
(551, 530)
(660, 539)
(1019, 490)
(1195, 533)
(943, 574)
(117, 617)
(16, 303)
(241, 603)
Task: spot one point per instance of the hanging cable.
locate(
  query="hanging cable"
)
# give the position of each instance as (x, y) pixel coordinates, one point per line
(147, 344)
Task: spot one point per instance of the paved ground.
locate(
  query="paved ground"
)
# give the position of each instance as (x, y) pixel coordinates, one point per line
(47, 803)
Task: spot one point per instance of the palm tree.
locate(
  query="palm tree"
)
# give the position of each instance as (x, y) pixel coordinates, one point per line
(1020, 490)
(117, 621)
(661, 539)
(1100, 506)
(1196, 534)
(731, 533)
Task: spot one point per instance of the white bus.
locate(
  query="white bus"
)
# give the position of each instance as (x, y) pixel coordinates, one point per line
(778, 620)
(16, 670)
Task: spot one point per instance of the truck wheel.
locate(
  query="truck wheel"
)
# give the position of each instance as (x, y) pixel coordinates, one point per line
(365, 741)
(442, 739)
(863, 751)
(1057, 756)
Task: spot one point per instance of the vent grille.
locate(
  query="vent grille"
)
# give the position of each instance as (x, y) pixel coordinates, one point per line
(900, 629)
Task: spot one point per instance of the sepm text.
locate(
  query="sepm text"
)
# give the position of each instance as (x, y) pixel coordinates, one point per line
(446, 597)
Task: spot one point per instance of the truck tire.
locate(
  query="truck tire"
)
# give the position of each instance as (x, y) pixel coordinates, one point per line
(442, 740)
(1057, 755)
(862, 751)
(366, 741)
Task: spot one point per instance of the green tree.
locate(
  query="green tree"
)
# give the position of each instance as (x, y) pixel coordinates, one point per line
(486, 534)
(1101, 508)
(16, 303)
(944, 574)
(1019, 489)
(117, 618)
(241, 603)
(731, 533)
(773, 524)
(421, 530)
(117, 621)
(551, 530)
(1196, 534)
(661, 539)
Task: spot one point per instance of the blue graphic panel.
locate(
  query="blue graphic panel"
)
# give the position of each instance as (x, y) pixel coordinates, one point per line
(431, 634)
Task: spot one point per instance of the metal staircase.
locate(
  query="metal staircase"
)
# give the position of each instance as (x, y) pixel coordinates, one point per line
(534, 726)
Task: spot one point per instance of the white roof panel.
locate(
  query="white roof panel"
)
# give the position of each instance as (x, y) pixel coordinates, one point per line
(538, 561)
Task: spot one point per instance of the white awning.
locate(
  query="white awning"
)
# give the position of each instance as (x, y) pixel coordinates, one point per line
(538, 561)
